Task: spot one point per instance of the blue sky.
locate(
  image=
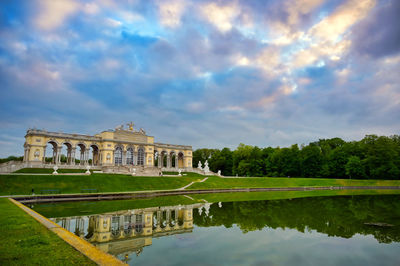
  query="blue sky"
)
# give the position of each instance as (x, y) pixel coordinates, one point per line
(202, 73)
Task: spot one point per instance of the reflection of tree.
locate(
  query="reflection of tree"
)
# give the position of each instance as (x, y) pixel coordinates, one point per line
(334, 216)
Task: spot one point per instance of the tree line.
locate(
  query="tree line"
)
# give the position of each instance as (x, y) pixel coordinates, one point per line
(373, 157)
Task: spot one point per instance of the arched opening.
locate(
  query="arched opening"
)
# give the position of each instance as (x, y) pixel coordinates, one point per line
(139, 223)
(140, 156)
(66, 155)
(94, 157)
(172, 162)
(129, 156)
(118, 156)
(180, 160)
(80, 154)
(115, 229)
(156, 157)
(51, 151)
(163, 159)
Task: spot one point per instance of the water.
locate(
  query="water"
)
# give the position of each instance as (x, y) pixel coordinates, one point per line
(341, 230)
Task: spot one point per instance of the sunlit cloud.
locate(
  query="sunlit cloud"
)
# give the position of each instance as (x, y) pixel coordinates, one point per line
(52, 13)
(222, 17)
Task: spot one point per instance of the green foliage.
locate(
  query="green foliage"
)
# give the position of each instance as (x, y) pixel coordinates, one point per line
(355, 168)
(327, 158)
(11, 158)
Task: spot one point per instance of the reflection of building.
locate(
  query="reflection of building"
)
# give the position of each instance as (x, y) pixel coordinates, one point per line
(130, 230)
(119, 147)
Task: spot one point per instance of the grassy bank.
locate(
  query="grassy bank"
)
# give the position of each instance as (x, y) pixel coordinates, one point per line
(260, 182)
(48, 171)
(23, 184)
(26, 242)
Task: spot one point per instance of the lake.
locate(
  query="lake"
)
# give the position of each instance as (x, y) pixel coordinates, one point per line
(193, 230)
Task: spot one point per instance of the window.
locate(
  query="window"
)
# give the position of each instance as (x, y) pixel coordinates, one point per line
(118, 156)
(140, 156)
(129, 156)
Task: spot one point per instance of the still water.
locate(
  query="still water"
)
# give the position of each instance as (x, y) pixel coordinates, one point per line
(340, 230)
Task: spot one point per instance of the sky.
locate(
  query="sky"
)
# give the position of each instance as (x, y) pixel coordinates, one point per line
(210, 74)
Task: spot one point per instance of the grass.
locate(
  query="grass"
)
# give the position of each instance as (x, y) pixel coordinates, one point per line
(48, 171)
(23, 184)
(24, 241)
(188, 174)
(261, 182)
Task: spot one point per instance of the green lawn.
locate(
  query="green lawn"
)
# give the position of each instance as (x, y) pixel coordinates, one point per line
(23, 184)
(48, 170)
(260, 182)
(24, 241)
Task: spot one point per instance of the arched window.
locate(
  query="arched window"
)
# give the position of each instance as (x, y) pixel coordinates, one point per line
(129, 156)
(118, 156)
(140, 156)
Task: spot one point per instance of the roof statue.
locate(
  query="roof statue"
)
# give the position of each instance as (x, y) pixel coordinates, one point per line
(130, 125)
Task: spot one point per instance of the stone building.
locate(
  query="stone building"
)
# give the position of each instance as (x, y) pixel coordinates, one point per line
(112, 150)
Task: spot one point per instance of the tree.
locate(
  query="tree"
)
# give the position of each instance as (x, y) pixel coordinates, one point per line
(355, 168)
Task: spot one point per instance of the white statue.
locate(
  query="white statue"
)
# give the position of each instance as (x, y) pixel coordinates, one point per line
(142, 131)
(133, 171)
(219, 172)
(121, 127)
(55, 168)
(199, 166)
(220, 204)
(179, 172)
(87, 170)
(206, 168)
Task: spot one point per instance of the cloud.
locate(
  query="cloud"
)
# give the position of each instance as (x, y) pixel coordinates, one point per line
(222, 17)
(379, 34)
(52, 13)
(340, 21)
(265, 73)
(170, 12)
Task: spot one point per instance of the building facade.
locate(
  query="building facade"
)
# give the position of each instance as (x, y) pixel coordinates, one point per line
(119, 147)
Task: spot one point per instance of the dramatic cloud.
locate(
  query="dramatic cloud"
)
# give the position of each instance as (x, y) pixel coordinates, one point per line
(204, 73)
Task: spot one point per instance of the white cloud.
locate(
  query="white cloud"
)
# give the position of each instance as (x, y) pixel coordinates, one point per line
(54, 12)
(170, 13)
(221, 17)
(346, 15)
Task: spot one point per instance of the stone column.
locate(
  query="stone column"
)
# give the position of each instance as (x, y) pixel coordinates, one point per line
(123, 157)
(58, 155)
(44, 155)
(158, 219)
(73, 151)
(135, 157)
(168, 160)
(176, 161)
(159, 160)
